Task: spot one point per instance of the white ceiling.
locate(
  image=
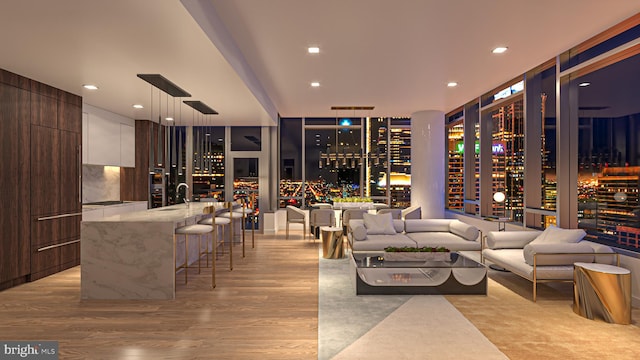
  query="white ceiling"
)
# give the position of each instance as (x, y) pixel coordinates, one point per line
(395, 55)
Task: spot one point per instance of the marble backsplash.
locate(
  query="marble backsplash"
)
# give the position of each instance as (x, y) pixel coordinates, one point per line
(100, 183)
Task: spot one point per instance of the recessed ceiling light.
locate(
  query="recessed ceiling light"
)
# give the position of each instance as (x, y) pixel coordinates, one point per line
(313, 50)
(499, 50)
(584, 84)
(90, 87)
(138, 106)
(452, 84)
(315, 84)
(169, 119)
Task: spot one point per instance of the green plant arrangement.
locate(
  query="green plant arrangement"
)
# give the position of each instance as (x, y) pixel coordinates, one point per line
(416, 249)
(426, 253)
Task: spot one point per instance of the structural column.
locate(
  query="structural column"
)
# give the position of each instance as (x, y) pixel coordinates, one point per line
(427, 162)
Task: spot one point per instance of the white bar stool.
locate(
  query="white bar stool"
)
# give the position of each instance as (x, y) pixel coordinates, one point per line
(191, 230)
(231, 216)
(218, 223)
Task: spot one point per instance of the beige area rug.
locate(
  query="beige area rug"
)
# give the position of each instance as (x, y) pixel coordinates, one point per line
(425, 327)
(548, 328)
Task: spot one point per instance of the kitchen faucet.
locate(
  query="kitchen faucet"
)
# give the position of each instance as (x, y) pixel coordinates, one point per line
(186, 192)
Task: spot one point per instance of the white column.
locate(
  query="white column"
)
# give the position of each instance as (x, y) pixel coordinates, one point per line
(427, 163)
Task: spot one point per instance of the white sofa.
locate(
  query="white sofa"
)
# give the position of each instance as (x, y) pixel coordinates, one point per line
(544, 256)
(452, 234)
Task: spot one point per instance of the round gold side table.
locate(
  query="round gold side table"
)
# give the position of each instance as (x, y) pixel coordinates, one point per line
(601, 290)
(332, 244)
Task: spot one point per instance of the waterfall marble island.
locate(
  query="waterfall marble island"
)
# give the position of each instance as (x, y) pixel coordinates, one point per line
(132, 255)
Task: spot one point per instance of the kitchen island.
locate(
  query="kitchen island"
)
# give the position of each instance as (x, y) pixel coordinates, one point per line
(133, 255)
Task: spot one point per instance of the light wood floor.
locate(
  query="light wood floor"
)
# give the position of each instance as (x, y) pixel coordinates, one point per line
(266, 308)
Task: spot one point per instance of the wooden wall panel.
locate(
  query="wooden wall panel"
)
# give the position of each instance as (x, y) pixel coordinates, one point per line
(69, 115)
(44, 111)
(134, 182)
(70, 172)
(40, 139)
(14, 180)
(45, 171)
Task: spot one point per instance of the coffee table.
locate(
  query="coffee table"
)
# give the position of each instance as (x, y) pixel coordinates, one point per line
(372, 275)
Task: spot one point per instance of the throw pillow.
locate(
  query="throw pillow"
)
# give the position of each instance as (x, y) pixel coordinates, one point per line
(556, 235)
(359, 233)
(379, 224)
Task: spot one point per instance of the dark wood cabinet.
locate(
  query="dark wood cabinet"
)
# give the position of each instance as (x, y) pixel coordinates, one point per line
(56, 204)
(134, 182)
(45, 171)
(70, 171)
(14, 180)
(40, 140)
(44, 111)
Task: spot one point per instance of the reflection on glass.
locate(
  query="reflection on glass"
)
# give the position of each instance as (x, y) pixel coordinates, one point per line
(246, 187)
(507, 156)
(335, 153)
(208, 162)
(455, 168)
(400, 162)
(609, 154)
(548, 146)
(333, 158)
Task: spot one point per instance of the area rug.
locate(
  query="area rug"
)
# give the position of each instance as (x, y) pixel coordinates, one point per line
(390, 326)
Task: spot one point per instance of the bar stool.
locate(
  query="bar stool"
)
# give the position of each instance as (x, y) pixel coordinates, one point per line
(246, 213)
(231, 216)
(193, 230)
(219, 223)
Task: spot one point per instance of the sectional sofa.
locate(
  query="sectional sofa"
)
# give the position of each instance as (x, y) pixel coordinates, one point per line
(544, 256)
(375, 232)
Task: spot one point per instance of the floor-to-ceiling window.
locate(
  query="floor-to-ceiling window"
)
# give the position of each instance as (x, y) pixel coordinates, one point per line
(455, 160)
(564, 148)
(400, 162)
(377, 141)
(549, 193)
(291, 152)
(322, 159)
(208, 162)
(507, 159)
(333, 159)
(608, 154)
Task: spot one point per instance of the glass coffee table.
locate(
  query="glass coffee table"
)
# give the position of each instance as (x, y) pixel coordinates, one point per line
(372, 275)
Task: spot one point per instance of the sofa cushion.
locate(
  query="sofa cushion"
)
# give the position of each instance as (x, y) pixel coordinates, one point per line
(379, 242)
(510, 239)
(553, 234)
(379, 224)
(558, 248)
(398, 225)
(463, 230)
(359, 233)
(450, 241)
(602, 249)
(425, 225)
(513, 260)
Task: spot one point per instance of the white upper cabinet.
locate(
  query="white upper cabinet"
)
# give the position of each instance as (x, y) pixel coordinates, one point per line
(107, 138)
(127, 145)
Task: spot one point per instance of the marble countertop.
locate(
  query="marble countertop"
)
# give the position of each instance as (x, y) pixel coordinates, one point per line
(96, 207)
(173, 213)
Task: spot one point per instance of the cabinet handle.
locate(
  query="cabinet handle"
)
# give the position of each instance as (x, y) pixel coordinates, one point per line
(58, 245)
(59, 216)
